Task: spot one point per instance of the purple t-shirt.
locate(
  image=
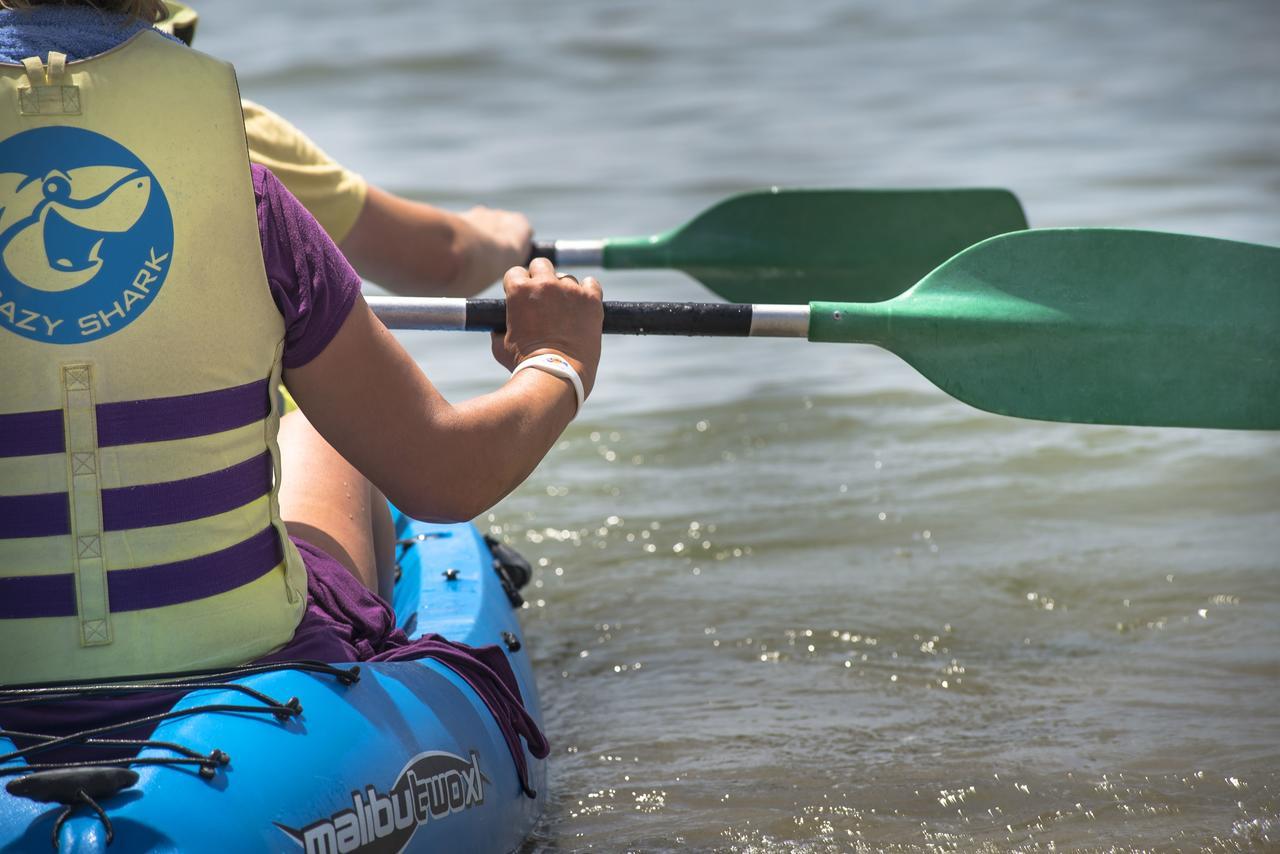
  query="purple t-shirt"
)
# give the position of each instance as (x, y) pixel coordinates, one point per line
(312, 283)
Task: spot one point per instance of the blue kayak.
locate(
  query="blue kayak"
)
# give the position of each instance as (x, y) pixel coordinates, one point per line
(380, 756)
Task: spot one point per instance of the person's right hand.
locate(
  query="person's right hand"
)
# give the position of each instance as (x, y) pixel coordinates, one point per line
(547, 313)
(498, 241)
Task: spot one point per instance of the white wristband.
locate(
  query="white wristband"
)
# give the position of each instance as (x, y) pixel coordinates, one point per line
(556, 366)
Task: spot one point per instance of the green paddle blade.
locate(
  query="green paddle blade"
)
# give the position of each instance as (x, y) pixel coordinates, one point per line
(798, 246)
(1091, 325)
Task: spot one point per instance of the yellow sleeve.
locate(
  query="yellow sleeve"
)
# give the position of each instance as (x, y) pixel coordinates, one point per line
(334, 194)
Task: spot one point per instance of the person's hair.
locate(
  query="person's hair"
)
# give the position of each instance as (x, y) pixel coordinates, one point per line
(148, 10)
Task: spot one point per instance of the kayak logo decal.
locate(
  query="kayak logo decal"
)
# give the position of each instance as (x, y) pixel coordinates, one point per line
(431, 787)
(86, 235)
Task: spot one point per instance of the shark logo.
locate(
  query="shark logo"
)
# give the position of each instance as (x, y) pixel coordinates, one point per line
(86, 235)
(90, 202)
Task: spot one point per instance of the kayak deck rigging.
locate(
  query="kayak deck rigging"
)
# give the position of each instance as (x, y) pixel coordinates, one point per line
(213, 679)
(82, 782)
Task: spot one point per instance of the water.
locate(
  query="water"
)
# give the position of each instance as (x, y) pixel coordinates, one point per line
(790, 597)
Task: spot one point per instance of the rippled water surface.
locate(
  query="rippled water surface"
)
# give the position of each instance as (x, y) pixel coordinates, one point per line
(791, 597)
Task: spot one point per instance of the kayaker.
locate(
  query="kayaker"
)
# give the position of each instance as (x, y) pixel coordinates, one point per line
(408, 247)
(153, 288)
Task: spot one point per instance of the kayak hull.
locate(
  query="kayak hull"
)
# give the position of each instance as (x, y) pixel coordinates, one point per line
(406, 758)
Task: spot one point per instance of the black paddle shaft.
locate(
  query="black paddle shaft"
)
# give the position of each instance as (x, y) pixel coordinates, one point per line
(725, 320)
(542, 249)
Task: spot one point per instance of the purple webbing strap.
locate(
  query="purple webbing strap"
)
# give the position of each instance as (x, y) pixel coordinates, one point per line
(44, 515)
(29, 434)
(151, 504)
(38, 596)
(186, 416)
(144, 506)
(130, 422)
(149, 586)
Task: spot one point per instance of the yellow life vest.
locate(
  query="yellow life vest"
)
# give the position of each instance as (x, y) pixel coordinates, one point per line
(139, 347)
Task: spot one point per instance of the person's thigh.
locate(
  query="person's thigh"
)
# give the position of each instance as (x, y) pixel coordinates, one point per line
(327, 502)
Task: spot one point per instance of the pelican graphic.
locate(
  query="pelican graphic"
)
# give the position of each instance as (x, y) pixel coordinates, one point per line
(52, 227)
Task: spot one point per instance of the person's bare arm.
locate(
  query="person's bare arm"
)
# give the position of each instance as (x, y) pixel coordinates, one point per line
(408, 247)
(416, 249)
(433, 459)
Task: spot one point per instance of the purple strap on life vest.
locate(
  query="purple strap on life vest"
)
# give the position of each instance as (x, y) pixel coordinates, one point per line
(37, 596)
(186, 416)
(174, 501)
(29, 434)
(44, 515)
(130, 422)
(29, 596)
(144, 506)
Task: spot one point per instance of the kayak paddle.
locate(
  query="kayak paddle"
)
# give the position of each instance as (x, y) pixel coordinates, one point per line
(798, 246)
(1097, 326)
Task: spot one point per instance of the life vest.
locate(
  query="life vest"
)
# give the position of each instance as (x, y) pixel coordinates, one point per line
(139, 346)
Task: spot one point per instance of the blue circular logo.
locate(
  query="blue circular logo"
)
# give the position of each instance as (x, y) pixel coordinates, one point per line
(86, 235)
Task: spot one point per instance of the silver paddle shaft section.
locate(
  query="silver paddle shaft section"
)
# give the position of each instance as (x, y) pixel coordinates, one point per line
(779, 321)
(579, 253)
(435, 314)
(716, 319)
(569, 253)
